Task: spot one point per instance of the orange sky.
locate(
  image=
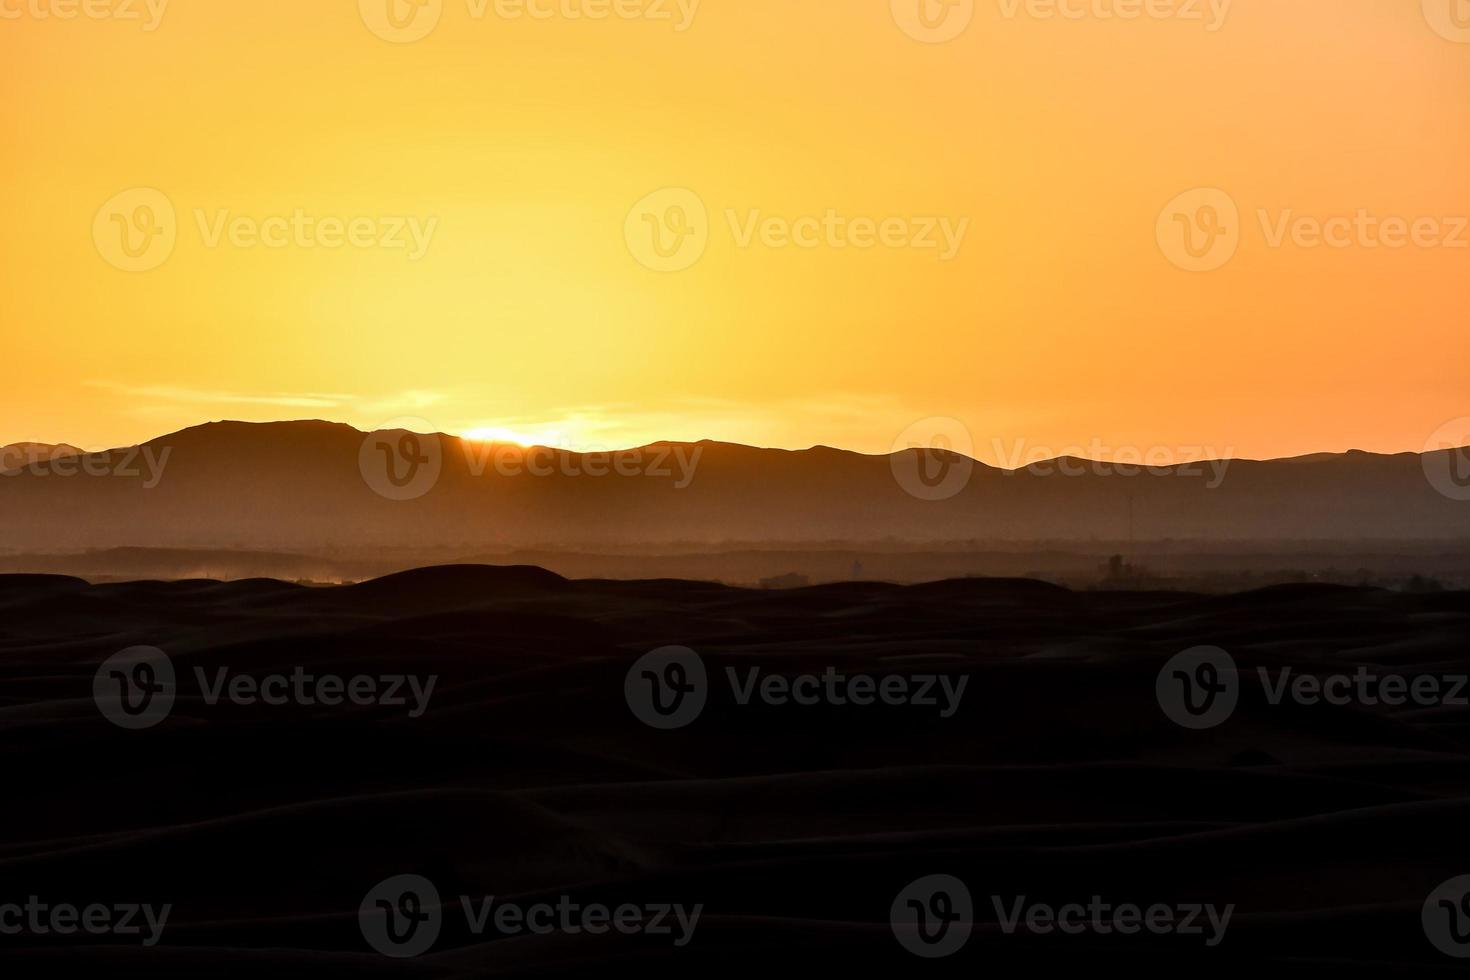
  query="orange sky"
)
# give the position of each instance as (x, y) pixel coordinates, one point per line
(533, 303)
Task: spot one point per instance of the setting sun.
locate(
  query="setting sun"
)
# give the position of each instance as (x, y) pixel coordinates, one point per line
(498, 435)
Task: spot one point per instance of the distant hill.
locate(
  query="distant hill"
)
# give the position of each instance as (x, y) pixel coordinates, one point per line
(319, 487)
(19, 454)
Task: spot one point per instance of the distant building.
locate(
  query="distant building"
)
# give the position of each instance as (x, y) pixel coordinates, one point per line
(1119, 573)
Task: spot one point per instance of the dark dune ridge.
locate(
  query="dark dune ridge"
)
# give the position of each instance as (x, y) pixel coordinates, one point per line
(528, 777)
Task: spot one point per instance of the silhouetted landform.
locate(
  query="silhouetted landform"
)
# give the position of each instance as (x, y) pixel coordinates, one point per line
(300, 488)
(528, 777)
(20, 454)
(1187, 566)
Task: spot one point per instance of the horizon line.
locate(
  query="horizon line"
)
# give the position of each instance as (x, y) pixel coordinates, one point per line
(464, 438)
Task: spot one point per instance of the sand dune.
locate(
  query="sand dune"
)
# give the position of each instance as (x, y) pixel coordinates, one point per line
(529, 777)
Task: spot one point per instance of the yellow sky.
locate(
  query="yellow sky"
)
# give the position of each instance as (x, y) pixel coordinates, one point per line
(528, 155)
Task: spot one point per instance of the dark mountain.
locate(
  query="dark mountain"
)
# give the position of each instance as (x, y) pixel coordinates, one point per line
(20, 454)
(316, 487)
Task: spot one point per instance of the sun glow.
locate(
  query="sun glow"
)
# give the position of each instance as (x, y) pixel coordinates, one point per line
(500, 435)
(439, 230)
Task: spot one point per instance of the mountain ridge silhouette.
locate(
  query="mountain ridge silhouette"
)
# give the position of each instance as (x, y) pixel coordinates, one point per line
(301, 486)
